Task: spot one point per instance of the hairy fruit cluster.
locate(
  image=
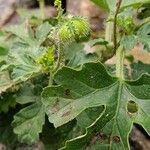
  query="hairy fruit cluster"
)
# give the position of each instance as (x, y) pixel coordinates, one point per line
(73, 29)
(47, 59)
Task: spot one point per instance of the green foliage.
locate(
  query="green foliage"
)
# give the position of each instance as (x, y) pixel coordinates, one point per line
(110, 5)
(129, 42)
(144, 36)
(141, 36)
(53, 90)
(5, 81)
(75, 55)
(102, 3)
(115, 95)
(28, 123)
(144, 11)
(139, 68)
(7, 100)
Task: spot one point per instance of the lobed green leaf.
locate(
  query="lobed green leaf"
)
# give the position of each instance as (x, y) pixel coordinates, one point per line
(123, 105)
(28, 123)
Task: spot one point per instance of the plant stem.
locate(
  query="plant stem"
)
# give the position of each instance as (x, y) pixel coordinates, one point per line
(119, 50)
(115, 23)
(42, 8)
(58, 59)
(109, 31)
(120, 62)
(50, 78)
(108, 51)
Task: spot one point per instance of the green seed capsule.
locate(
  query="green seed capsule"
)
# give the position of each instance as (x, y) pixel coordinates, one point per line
(74, 29)
(65, 34)
(81, 26)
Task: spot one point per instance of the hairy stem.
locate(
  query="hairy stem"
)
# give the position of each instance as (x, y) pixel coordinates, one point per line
(120, 62)
(42, 6)
(57, 65)
(115, 23)
(50, 78)
(108, 52)
(59, 54)
(109, 31)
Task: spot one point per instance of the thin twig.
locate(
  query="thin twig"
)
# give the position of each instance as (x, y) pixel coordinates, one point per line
(115, 23)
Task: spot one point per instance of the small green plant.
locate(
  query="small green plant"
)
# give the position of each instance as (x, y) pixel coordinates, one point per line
(52, 91)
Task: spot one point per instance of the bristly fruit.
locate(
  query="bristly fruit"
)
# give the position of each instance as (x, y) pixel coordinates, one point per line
(73, 29)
